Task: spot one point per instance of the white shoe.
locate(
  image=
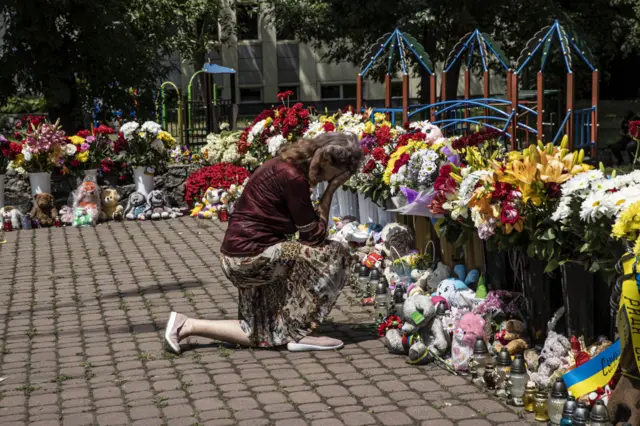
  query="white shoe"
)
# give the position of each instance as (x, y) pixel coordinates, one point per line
(315, 344)
(171, 341)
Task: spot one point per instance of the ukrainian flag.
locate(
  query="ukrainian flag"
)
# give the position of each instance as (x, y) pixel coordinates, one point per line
(595, 373)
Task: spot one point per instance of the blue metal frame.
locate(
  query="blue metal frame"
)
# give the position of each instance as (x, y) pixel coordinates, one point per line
(477, 39)
(399, 40)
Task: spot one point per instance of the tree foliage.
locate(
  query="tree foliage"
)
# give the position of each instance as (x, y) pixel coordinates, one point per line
(72, 51)
(345, 29)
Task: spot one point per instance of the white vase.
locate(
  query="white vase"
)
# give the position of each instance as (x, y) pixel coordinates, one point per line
(1, 191)
(347, 203)
(143, 178)
(367, 210)
(88, 173)
(40, 183)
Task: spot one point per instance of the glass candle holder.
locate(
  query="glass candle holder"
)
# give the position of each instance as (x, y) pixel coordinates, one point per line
(528, 398)
(540, 407)
(556, 401)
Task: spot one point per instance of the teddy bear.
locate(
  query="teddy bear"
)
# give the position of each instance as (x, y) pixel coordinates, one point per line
(425, 329)
(110, 204)
(44, 210)
(510, 335)
(136, 205)
(210, 203)
(158, 207)
(429, 280)
(554, 359)
(456, 290)
(87, 203)
(14, 214)
(397, 240)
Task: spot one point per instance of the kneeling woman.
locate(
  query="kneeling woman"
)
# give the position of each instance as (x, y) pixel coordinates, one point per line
(286, 287)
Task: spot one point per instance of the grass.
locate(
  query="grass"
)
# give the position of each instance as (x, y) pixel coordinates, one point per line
(160, 401)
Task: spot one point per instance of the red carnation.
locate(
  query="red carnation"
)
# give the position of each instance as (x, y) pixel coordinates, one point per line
(383, 134)
(103, 130)
(446, 170)
(404, 159)
(303, 113)
(328, 126)
(380, 155)
(371, 164)
(83, 133)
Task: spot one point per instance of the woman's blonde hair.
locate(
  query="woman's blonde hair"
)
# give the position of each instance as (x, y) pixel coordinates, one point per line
(340, 150)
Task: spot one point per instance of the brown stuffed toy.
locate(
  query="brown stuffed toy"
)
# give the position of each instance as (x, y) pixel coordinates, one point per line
(44, 209)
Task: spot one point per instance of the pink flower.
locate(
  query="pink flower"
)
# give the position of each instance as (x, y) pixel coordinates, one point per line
(84, 147)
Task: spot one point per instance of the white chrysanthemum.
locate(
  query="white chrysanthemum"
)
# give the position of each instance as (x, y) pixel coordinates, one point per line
(274, 144)
(314, 130)
(18, 170)
(563, 211)
(594, 207)
(581, 182)
(224, 126)
(129, 129)
(624, 198)
(70, 149)
(151, 127)
(256, 130)
(602, 185)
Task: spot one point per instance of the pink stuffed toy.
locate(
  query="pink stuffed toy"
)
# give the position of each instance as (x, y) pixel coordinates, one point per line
(468, 328)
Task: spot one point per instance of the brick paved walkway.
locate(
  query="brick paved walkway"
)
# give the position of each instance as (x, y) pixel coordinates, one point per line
(82, 314)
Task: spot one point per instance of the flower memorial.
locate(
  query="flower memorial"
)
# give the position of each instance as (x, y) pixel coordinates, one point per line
(42, 147)
(145, 145)
(223, 148)
(219, 176)
(9, 151)
(87, 151)
(272, 129)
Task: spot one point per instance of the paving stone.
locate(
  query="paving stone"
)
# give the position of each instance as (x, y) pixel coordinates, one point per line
(109, 317)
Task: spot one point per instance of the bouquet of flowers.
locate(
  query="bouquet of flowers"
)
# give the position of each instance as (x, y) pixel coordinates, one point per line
(86, 151)
(220, 176)
(110, 166)
(183, 155)
(344, 122)
(272, 129)
(144, 146)
(223, 148)
(42, 147)
(378, 141)
(9, 151)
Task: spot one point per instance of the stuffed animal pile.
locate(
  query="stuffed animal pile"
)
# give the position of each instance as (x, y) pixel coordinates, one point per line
(214, 201)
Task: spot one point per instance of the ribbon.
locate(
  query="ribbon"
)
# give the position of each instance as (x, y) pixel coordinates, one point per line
(629, 311)
(595, 373)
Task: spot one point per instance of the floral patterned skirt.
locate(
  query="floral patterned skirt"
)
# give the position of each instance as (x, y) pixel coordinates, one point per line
(288, 290)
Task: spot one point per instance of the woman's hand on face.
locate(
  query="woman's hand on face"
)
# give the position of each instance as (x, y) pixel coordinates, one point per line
(339, 180)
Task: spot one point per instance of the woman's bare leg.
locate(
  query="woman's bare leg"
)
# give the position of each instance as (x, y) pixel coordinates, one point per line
(180, 327)
(228, 331)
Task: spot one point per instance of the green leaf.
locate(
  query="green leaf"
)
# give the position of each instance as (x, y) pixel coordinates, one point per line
(552, 265)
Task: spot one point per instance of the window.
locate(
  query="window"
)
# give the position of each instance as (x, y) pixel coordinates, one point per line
(247, 21)
(331, 92)
(339, 91)
(349, 91)
(250, 95)
(294, 89)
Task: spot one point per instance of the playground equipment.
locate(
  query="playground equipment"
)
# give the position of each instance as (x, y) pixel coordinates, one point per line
(510, 114)
(199, 113)
(580, 125)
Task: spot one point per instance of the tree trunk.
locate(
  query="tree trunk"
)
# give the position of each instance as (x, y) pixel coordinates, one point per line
(452, 80)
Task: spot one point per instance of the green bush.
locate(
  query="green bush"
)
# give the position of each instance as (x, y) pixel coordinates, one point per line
(23, 105)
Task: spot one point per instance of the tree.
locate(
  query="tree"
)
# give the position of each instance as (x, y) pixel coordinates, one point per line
(345, 29)
(72, 51)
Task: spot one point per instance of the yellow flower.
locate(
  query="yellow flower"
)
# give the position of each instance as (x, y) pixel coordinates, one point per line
(268, 121)
(369, 128)
(83, 156)
(628, 223)
(76, 140)
(379, 117)
(19, 161)
(410, 147)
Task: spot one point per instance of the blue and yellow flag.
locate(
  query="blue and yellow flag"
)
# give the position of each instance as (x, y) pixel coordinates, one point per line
(595, 373)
